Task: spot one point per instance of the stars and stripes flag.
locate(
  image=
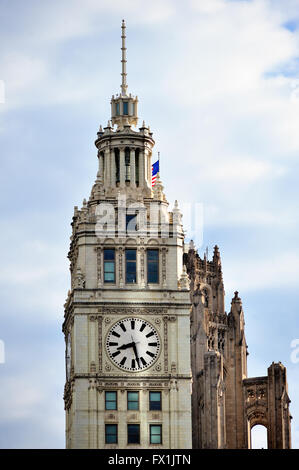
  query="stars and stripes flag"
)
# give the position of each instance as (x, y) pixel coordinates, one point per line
(155, 171)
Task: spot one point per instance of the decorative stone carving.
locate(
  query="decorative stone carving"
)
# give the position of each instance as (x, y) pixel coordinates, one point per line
(120, 266)
(164, 279)
(100, 344)
(80, 279)
(133, 310)
(68, 395)
(142, 256)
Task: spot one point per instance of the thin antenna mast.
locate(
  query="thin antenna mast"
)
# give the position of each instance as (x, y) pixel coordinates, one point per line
(124, 85)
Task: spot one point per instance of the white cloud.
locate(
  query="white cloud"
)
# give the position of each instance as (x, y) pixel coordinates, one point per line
(262, 272)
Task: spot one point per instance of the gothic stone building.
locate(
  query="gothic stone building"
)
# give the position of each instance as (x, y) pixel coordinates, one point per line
(152, 358)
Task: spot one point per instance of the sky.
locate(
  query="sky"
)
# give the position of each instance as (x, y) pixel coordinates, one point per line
(218, 82)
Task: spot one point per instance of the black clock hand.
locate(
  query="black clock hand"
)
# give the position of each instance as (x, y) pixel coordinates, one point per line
(136, 354)
(125, 346)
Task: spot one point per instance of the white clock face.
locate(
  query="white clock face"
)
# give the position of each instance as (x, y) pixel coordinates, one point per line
(133, 344)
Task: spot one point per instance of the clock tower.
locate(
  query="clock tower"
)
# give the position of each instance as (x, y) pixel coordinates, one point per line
(127, 314)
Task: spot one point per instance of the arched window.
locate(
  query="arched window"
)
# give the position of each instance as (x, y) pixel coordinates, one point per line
(259, 437)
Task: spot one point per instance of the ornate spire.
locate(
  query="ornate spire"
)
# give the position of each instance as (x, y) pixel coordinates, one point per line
(124, 85)
(124, 105)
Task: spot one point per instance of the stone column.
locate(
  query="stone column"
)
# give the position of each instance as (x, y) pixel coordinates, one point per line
(107, 167)
(141, 168)
(147, 173)
(122, 166)
(101, 166)
(132, 169)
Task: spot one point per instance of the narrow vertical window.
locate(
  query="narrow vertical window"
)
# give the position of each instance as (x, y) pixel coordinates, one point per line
(111, 433)
(155, 401)
(137, 167)
(133, 433)
(153, 266)
(127, 164)
(130, 266)
(111, 400)
(109, 265)
(155, 433)
(117, 109)
(116, 154)
(133, 400)
(125, 108)
(131, 221)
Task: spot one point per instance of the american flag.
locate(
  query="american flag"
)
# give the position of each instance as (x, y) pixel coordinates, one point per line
(155, 171)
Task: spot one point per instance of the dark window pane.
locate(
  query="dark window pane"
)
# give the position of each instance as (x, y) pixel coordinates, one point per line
(152, 255)
(130, 266)
(125, 104)
(111, 433)
(155, 400)
(153, 266)
(131, 255)
(109, 255)
(133, 433)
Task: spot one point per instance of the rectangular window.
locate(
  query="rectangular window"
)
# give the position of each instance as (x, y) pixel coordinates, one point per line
(125, 108)
(109, 265)
(133, 400)
(111, 433)
(155, 401)
(133, 434)
(110, 400)
(117, 109)
(130, 266)
(155, 433)
(153, 266)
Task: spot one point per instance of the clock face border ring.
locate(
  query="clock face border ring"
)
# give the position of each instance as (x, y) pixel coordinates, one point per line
(132, 317)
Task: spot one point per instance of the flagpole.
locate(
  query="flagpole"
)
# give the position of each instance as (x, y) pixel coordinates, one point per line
(159, 161)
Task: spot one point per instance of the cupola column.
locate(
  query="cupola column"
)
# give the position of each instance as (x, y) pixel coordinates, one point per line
(101, 166)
